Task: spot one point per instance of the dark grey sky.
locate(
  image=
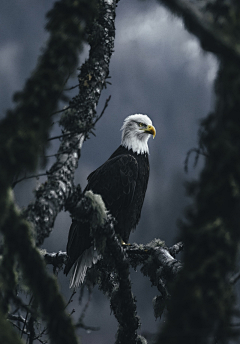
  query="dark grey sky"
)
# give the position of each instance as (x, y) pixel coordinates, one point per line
(158, 68)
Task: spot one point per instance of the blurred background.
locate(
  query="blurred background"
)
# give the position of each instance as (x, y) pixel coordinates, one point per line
(158, 69)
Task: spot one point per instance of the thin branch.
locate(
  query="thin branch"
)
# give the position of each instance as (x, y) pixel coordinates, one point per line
(19, 328)
(93, 124)
(59, 111)
(61, 136)
(69, 74)
(71, 88)
(38, 337)
(103, 110)
(71, 298)
(198, 151)
(26, 322)
(80, 323)
(18, 318)
(29, 177)
(235, 278)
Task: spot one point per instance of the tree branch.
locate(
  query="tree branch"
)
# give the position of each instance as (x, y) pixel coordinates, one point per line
(217, 33)
(28, 177)
(56, 259)
(78, 118)
(235, 278)
(51, 303)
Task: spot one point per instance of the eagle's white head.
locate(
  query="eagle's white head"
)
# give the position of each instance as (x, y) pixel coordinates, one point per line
(136, 131)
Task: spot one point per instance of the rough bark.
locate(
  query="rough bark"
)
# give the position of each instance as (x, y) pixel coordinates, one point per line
(77, 122)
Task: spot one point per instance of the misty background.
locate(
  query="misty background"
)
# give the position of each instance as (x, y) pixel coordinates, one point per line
(158, 69)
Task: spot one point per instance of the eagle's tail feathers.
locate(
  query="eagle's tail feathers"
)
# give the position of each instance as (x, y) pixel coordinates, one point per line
(85, 261)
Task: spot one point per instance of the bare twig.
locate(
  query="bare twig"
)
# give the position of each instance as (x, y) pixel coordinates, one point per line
(103, 110)
(80, 323)
(71, 298)
(59, 111)
(29, 177)
(18, 327)
(235, 278)
(38, 337)
(61, 136)
(198, 151)
(26, 322)
(18, 318)
(71, 88)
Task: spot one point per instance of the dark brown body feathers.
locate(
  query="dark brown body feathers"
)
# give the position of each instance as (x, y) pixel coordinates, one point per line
(122, 182)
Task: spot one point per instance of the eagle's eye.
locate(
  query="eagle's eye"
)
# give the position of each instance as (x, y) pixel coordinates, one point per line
(141, 124)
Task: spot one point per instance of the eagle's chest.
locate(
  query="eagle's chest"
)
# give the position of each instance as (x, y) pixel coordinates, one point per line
(133, 213)
(140, 190)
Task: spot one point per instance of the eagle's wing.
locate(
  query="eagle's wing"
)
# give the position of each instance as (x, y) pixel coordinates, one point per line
(115, 181)
(78, 241)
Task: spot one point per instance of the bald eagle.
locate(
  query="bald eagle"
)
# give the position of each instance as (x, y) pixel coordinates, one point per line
(122, 182)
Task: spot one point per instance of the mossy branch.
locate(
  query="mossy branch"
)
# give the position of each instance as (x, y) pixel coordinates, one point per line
(79, 119)
(18, 237)
(211, 233)
(215, 23)
(25, 129)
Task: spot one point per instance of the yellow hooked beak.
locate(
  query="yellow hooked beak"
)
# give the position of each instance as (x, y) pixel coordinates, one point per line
(150, 130)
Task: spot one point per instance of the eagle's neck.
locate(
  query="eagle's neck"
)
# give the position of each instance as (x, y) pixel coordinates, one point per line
(138, 145)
